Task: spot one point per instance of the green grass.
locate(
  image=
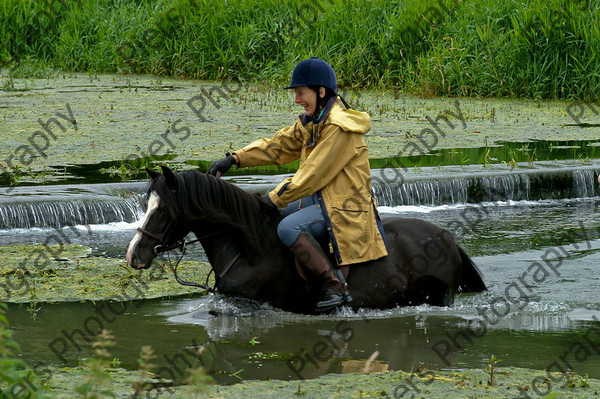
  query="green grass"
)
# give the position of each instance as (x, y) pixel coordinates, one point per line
(515, 48)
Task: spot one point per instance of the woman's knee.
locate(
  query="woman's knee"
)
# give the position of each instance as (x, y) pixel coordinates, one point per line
(288, 233)
(309, 219)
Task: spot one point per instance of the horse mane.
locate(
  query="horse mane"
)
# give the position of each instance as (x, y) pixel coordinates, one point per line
(199, 196)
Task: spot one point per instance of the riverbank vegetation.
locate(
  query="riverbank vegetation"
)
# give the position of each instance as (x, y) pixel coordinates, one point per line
(101, 376)
(536, 49)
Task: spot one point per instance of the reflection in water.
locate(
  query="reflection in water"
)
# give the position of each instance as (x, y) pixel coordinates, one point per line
(364, 366)
(261, 342)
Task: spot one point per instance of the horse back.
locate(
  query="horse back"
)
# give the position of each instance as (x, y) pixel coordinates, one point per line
(423, 265)
(420, 247)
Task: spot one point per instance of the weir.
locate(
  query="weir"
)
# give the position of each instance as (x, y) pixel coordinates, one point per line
(59, 206)
(431, 188)
(68, 213)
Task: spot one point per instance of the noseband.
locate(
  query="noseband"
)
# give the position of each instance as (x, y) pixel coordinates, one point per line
(160, 248)
(181, 244)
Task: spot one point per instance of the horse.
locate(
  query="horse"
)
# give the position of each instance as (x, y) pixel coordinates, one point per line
(238, 232)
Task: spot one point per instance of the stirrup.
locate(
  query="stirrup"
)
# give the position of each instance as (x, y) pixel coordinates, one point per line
(330, 302)
(346, 293)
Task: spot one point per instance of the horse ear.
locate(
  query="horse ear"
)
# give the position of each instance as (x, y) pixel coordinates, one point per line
(153, 175)
(170, 177)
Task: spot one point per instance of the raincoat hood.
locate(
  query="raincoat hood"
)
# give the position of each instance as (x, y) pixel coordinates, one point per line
(347, 119)
(350, 120)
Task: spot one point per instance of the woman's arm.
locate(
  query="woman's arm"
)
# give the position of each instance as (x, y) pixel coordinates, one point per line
(333, 152)
(284, 147)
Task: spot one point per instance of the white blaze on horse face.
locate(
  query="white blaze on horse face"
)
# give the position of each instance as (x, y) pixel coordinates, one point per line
(153, 203)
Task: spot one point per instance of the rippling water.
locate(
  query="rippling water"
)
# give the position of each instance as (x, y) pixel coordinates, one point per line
(540, 260)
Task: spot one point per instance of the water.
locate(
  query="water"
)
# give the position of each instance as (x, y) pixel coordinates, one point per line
(538, 249)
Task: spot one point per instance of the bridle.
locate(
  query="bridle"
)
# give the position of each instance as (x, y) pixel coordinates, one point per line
(160, 248)
(181, 245)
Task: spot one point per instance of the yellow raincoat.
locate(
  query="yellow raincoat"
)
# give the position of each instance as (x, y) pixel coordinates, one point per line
(334, 163)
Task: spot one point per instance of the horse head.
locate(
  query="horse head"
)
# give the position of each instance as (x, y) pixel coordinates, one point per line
(162, 225)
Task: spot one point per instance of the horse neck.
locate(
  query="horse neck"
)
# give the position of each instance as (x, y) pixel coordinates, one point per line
(221, 211)
(222, 243)
(213, 238)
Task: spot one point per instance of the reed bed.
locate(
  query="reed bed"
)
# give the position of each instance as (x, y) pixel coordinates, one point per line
(516, 48)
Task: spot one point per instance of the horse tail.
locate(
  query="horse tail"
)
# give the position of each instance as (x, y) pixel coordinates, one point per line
(471, 279)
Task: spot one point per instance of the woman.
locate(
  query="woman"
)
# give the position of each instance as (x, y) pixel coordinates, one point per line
(330, 193)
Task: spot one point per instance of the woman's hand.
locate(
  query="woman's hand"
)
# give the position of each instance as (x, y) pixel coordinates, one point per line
(221, 166)
(271, 207)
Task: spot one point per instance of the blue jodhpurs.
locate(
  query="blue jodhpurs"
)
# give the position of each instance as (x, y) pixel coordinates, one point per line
(302, 215)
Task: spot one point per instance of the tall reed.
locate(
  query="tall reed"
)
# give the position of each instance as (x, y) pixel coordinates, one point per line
(525, 48)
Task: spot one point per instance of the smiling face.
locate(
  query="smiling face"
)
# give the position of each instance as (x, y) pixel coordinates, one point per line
(307, 98)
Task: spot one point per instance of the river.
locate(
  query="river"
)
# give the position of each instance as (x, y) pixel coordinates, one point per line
(538, 250)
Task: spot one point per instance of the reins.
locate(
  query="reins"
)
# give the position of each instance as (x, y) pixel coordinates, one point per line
(181, 245)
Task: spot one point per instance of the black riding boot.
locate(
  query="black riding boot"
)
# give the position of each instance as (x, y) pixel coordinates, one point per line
(311, 258)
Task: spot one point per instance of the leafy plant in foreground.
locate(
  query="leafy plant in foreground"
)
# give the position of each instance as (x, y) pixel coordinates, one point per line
(13, 371)
(198, 379)
(96, 369)
(145, 367)
(492, 370)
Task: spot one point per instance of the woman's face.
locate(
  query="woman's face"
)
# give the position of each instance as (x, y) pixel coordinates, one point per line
(307, 98)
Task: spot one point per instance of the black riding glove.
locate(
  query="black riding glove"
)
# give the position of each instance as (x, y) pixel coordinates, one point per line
(222, 165)
(270, 205)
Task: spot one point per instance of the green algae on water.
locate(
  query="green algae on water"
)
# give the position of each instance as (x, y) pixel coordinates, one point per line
(446, 384)
(127, 123)
(30, 273)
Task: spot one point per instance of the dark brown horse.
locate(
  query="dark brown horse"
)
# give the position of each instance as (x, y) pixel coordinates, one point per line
(239, 235)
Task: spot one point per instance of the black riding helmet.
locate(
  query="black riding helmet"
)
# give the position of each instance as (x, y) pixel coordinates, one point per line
(315, 73)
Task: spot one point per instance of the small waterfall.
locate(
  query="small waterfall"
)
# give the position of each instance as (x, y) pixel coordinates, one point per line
(534, 184)
(454, 190)
(584, 183)
(60, 206)
(424, 192)
(504, 187)
(68, 213)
